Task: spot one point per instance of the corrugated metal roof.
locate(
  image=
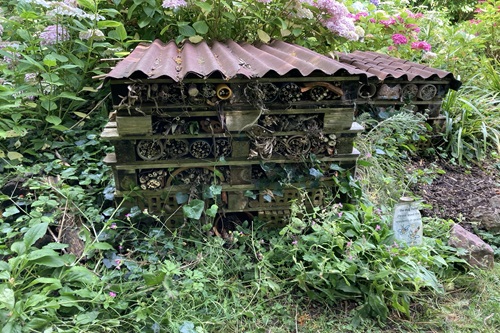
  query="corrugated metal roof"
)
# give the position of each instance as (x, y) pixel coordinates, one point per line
(384, 66)
(229, 60)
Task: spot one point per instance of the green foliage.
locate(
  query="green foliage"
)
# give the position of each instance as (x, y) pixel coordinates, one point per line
(250, 21)
(457, 10)
(136, 275)
(386, 148)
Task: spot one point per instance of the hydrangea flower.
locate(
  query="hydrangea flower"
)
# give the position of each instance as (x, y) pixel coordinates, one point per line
(92, 33)
(375, 2)
(422, 45)
(399, 39)
(54, 34)
(30, 77)
(174, 4)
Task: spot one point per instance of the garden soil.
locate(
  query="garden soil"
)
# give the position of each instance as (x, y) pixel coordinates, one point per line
(455, 193)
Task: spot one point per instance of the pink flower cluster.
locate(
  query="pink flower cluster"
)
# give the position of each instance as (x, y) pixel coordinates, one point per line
(54, 34)
(399, 39)
(336, 17)
(174, 4)
(422, 45)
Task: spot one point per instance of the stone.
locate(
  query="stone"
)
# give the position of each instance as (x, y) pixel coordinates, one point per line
(479, 254)
(488, 218)
(495, 202)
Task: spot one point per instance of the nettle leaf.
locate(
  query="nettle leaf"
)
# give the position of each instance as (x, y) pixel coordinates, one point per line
(194, 209)
(35, 233)
(153, 279)
(12, 155)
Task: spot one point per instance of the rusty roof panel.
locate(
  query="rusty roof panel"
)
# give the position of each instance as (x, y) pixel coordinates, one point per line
(387, 67)
(227, 60)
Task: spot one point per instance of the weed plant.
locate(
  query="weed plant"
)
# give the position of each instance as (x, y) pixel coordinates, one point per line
(386, 147)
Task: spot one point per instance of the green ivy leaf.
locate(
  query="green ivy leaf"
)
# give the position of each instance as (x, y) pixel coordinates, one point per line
(212, 211)
(194, 209)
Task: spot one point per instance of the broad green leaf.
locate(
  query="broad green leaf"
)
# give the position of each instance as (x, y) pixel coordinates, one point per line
(43, 280)
(9, 211)
(206, 7)
(87, 317)
(186, 30)
(121, 32)
(33, 62)
(263, 36)
(49, 61)
(81, 114)
(194, 209)
(102, 246)
(7, 298)
(18, 247)
(201, 27)
(154, 279)
(40, 253)
(90, 89)
(12, 155)
(55, 120)
(35, 233)
(59, 128)
(49, 105)
(195, 39)
(285, 32)
(50, 261)
(70, 95)
(80, 274)
(91, 5)
(108, 24)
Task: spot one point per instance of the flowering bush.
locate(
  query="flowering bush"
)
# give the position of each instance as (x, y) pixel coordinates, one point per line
(295, 20)
(396, 32)
(49, 51)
